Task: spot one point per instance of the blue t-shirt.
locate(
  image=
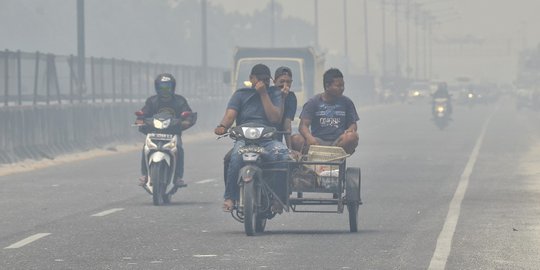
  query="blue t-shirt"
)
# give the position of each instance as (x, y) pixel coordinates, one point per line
(289, 111)
(290, 106)
(247, 102)
(329, 120)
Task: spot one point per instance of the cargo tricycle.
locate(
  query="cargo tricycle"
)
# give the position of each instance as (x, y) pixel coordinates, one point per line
(305, 183)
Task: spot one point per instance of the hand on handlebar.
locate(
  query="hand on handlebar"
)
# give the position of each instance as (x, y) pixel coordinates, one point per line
(220, 130)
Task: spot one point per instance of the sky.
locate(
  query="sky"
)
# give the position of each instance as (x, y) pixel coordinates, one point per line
(474, 38)
(491, 32)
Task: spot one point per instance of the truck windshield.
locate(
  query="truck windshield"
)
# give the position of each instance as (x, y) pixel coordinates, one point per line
(296, 65)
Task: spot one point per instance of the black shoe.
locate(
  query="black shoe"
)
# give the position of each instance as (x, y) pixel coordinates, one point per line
(143, 180)
(179, 183)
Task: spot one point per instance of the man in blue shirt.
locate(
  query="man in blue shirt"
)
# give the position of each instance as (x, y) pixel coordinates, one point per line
(328, 118)
(261, 104)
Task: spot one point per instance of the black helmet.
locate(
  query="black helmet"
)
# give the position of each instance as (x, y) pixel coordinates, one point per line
(165, 85)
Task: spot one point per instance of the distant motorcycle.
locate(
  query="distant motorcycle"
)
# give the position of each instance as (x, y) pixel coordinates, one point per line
(160, 151)
(441, 114)
(471, 99)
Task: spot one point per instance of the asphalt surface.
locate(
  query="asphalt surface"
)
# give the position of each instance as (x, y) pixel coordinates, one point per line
(90, 214)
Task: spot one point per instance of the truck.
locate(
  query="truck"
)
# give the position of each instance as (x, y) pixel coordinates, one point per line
(306, 64)
(527, 81)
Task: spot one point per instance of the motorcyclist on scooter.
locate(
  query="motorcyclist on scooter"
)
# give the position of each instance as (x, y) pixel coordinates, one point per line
(442, 92)
(167, 101)
(261, 104)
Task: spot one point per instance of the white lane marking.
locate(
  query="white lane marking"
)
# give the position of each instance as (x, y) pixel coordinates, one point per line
(444, 241)
(27, 240)
(204, 255)
(107, 212)
(205, 181)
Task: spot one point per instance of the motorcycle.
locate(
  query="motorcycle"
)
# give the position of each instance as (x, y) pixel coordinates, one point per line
(254, 206)
(441, 114)
(160, 152)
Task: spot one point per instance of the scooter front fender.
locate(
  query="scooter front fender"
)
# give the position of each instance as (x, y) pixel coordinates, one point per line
(158, 157)
(248, 173)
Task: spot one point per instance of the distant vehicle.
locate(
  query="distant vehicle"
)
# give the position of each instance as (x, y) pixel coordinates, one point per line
(528, 79)
(417, 90)
(305, 63)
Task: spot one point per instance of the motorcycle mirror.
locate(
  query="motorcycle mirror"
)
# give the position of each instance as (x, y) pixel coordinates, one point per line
(139, 113)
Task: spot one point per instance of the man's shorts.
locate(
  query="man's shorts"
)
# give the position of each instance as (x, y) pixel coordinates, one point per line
(327, 143)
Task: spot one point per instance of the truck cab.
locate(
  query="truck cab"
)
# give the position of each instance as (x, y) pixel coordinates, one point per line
(306, 65)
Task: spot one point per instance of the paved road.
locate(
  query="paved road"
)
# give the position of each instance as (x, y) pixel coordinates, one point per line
(466, 197)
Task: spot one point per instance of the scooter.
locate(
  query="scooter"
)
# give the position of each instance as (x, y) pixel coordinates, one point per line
(160, 152)
(441, 115)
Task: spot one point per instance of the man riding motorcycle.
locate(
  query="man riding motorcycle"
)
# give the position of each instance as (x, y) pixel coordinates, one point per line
(442, 93)
(167, 101)
(261, 104)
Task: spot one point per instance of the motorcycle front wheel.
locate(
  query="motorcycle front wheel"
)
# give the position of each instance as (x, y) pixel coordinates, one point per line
(157, 176)
(250, 208)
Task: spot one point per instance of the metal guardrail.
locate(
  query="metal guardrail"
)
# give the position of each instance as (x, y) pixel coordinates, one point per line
(38, 78)
(47, 111)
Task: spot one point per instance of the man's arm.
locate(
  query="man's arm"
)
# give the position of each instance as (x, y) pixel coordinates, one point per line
(226, 122)
(287, 128)
(273, 113)
(352, 128)
(303, 128)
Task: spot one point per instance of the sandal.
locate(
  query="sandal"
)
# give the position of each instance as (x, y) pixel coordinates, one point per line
(276, 207)
(228, 205)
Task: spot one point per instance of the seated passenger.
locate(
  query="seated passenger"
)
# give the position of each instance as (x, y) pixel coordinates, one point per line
(283, 80)
(328, 118)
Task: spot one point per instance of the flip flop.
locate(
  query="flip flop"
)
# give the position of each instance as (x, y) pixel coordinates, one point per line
(228, 205)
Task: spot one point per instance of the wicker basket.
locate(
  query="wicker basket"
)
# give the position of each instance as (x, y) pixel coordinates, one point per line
(325, 154)
(327, 175)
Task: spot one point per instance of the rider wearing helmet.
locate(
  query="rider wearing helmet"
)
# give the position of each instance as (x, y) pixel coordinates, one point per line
(442, 92)
(167, 101)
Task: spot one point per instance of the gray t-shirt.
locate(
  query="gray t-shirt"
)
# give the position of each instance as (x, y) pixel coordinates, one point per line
(247, 102)
(329, 120)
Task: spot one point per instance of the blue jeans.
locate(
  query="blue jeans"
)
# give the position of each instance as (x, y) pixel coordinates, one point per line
(275, 151)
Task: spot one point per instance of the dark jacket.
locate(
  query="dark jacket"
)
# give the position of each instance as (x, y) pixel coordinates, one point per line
(175, 106)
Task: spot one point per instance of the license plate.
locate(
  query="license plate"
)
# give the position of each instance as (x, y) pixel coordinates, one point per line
(158, 136)
(250, 149)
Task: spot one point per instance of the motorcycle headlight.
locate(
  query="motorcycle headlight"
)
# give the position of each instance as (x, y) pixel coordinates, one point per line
(162, 124)
(252, 133)
(440, 109)
(150, 143)
(470, 95)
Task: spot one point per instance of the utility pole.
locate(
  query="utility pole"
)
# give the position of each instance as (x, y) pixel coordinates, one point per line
(430, 52)
(425, 23)
(396, 10)
(407, 14)
(345, 40)
(80, 46)
(383, 12)
(366, 38)
(416, 43)
(204, 36)
(272, 19)
(316, 3)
